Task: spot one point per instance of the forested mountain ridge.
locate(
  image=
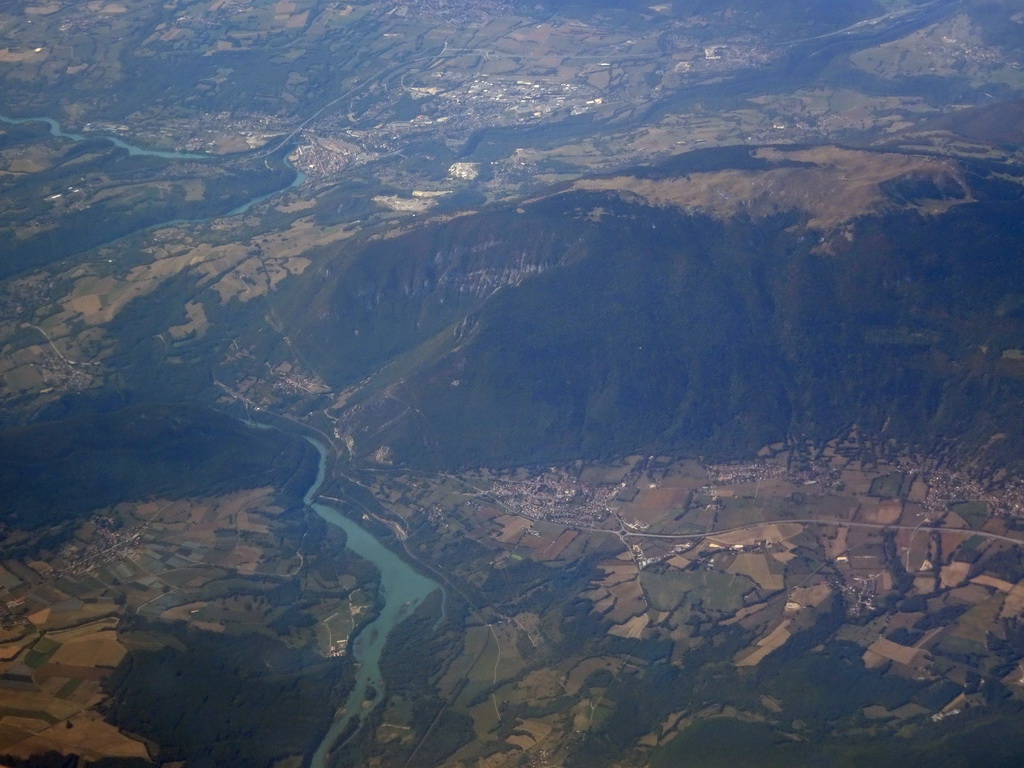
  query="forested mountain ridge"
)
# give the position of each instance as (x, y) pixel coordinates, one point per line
(692, 311)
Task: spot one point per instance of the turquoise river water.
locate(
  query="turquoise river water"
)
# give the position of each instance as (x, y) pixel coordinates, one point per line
(56, 130)
(403, 590)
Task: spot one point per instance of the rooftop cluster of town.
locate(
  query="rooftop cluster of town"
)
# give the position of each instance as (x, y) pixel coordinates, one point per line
(555, 496)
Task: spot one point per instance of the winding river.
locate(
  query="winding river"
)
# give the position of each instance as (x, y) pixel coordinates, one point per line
(56, 130)
(403, 590)
(132, 149)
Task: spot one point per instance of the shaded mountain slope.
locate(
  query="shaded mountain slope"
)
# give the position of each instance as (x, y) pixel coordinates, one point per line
(137, 453)
(592, 322)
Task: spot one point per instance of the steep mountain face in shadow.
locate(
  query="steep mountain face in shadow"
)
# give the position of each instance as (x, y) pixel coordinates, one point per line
(1000, 124)
(594, 322)
(139, 452)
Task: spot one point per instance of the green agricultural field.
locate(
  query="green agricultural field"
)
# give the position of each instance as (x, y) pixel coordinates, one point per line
(887, 486)
(714, 590)
(975, 513)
